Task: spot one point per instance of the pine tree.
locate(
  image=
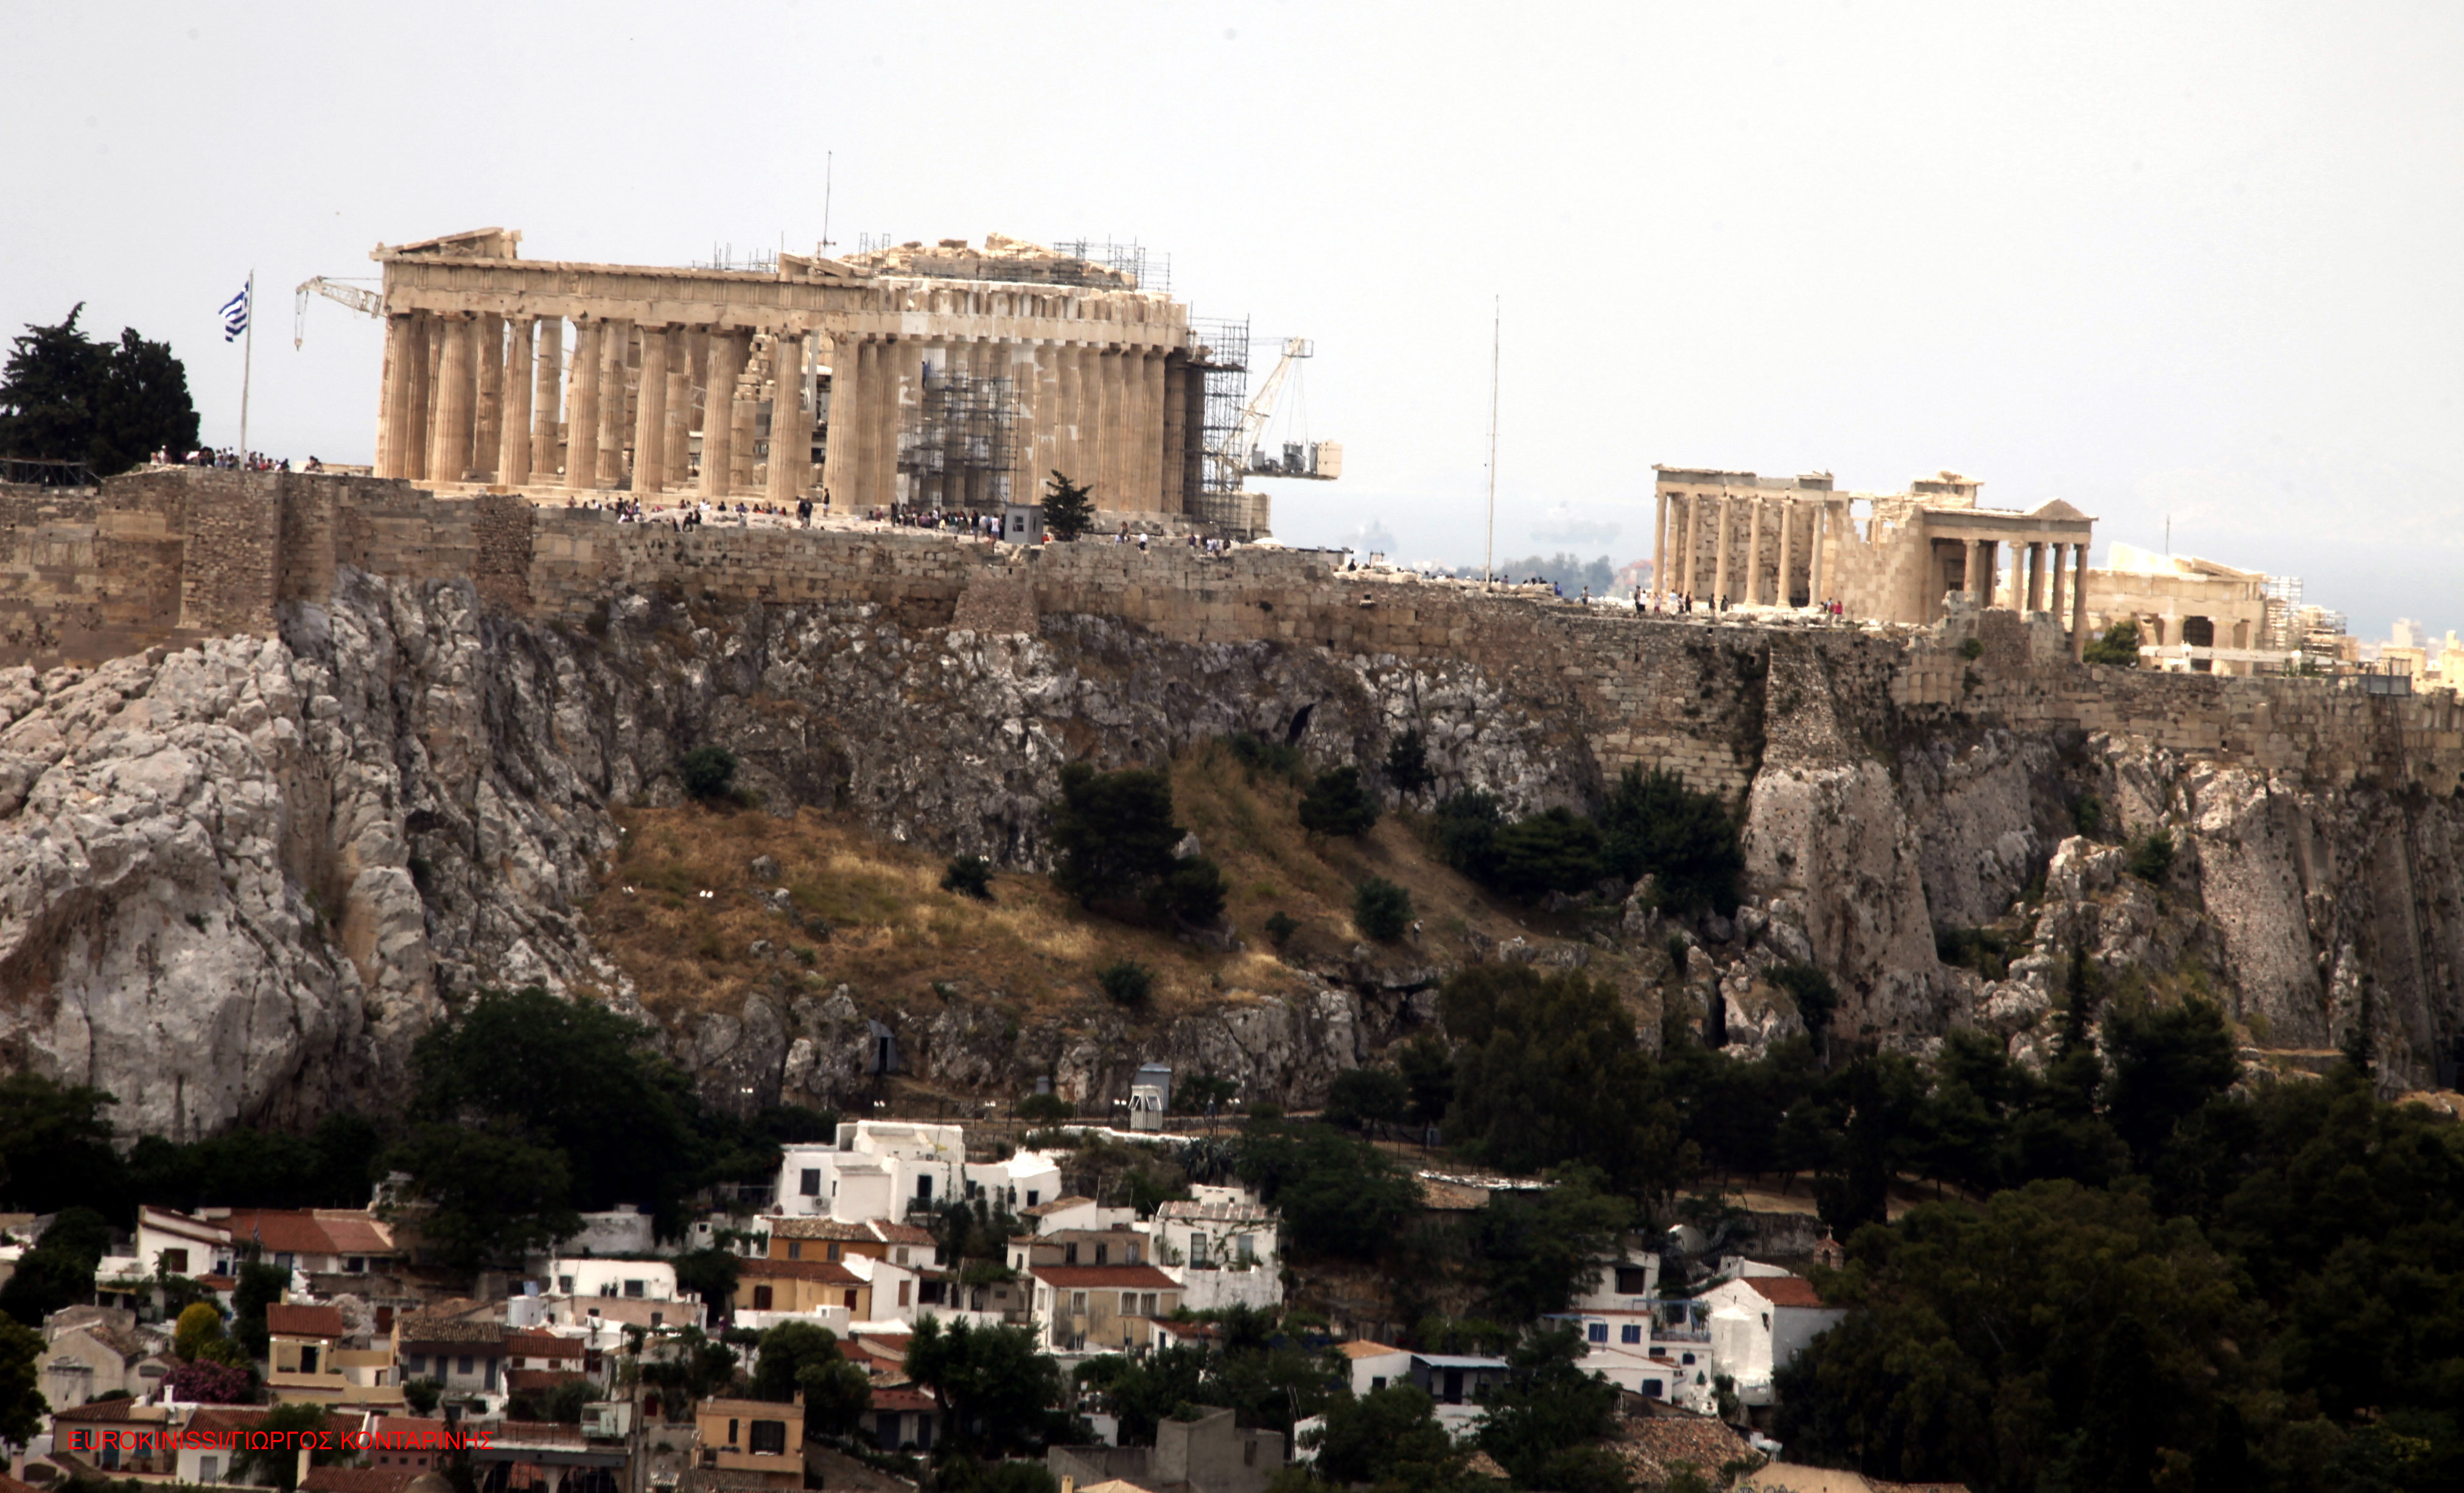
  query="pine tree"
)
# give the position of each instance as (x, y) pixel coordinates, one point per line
(1069, 508)
(65, 396)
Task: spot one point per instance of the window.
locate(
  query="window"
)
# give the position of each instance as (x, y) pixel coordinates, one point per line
(731, 1433)
(308, 1358)
(1129, 1254)
(834, 1254)
(1597, 1331)
(284, 1259)
(924, 1188)
(902, 1292)
(565, 1286)
(1069, 1254)
(175, 1261)
(1099, 1255)
(1077, 1304)
(658, 1317)
(1653, 1388)
(419, 1362)
(209, 1468)
(1249, 1452)
(633, 1290)
(1377, 1381)
(795, 1249)
(850, 1299)
(1197, 1249)
(770, 1438)
(1146, 1304)
(1030, 1197)
(761, 1297)
(1686, 1359)
(1246, 1248)
(465, 1364)
(902, 1254)
(356, 1264)
(810, 1185)
(1633, 1281)
(492, 1373)
(1631, 1333)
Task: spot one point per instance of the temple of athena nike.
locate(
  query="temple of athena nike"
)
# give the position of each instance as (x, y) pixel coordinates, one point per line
(930, 376)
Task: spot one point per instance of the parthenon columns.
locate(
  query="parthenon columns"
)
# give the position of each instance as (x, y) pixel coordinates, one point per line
(581, 407)
(1817, 530)
(727, 354)
(651, 414)
(547, 381)
(2058, 594)
(402, 346)
(513, 458)
(2036, 575)
(1787, 596)
(676, 442)
(1690, 567)
(2079, 602)
(791, 424)
(488, 437)
(449, 451)
(1660, 548)
(1754, 555)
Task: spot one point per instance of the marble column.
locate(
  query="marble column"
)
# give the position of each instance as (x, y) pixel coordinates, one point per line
(1787, 596)
(513, 414)
(2036, 575)
(487, 443)
(547, 380)
(863, 428)
(678, 442)
(1753, 552)
(581, 406)
(650, 414)
(2054, 559)
(1069, 396)
(1660, 546)
(744, 416)
(2079, 603)
(1967, 581)
(719, 414)
(401, 336)
(1151, 438)
(1720, 557)
(449, 452)
(615, 399)
(791, 424)
(1818, 529)
(1688, 563)
(423, 391)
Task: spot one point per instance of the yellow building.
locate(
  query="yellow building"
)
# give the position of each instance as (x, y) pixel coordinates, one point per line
(759, 1437)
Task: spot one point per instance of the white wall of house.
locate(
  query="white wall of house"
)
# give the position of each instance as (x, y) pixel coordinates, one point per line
(631, 1280)
(621, 1231)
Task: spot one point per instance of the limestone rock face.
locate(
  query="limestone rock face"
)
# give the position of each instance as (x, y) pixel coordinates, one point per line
(238, 881)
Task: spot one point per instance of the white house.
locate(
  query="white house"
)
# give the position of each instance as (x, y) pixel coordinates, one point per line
(182, 1245)
(626, 1280)
(1221, 1245)
(1375, 1365)
(1628, 1284)
(1759, 1324)
(882, 1168)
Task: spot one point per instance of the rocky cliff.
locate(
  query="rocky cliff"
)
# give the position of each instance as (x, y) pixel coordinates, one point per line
(238, 879)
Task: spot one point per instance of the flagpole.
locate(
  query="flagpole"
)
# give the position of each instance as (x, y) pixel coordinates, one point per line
(246, 362)
(1496, 330)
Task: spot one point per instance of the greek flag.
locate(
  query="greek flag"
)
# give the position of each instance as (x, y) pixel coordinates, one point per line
(234, 315)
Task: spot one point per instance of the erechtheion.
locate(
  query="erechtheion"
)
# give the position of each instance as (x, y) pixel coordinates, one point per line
(938, 376)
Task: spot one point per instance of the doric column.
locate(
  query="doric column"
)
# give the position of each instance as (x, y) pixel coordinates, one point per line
(615, 407)
(423, 394)
(852, 423)
(487, 441)
(1174, 497)
(394, 415)
(1151, 441)
(1688, 563)
(514, 414)
(547, 380)
(1786, 516)
(677, 442)
(1068, 398)
(581, 420)
(2079, 603)
(719, 414)
(1720, 557)
(744, 416)
(449, 449)
(1817, 530)
(791, 424)
(1660, 544)
(651, 414)
(2036, 575)
(1753, 552)
(1968, 583)
(2059, 595)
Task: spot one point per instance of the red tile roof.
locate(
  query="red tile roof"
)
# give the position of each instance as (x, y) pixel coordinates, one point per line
(100, 1410)
(1128, 1277)
(902, 1399)
(542, 1345)
(284, 1320)
(396, 1433)
(322, 1231)
(820, 1229)
(829, 1270)
(890, 1232)
(534, 1381)
(357, 1480)
(1785, 1290)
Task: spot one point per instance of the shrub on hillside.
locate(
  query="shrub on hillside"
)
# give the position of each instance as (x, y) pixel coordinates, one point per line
(1381, 909)
(1126, 982)
(1113, 836)
(1466, 832)
(1407, 762)
(1337, 804)
(2151, 855)
(1555, 851)
(708, 772)
(969, 876)
(1653, 824)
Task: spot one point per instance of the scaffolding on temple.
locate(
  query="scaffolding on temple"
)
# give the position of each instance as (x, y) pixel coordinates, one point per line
(1219, 354)
(959, 446)
(2282, 628)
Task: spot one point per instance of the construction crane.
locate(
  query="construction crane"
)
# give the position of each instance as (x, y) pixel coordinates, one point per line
(1322, 461)
(367, 301)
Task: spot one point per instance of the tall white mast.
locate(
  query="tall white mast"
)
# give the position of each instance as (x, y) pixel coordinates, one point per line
(1489, 556)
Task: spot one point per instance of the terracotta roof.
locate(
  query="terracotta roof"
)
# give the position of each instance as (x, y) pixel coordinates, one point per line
(536, 1433)
(1364, 1350)
(321, 1230)
(1656, 1445)
(542, 1344)
(1057, 1205)
(534, 1380)
(890, 1232)
(1133, 1277)
(357, 1480)
(396, 1433)
(820, 1229)
(101, 1411)
(215, 1421)
(902, 1399)
(1188, 1330)
(1785, 1290)
(285, 1320)
(829, 1270)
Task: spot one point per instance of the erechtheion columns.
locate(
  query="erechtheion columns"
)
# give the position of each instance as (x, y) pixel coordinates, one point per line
(942, 377)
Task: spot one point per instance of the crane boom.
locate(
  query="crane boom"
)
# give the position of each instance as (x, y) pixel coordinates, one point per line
(359, 298)
(1241, 440)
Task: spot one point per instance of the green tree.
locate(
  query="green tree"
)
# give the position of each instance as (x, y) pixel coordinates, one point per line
(1543, 1421)
(1876, 1111)
(1364, 1097)
(1653, 824)
(708, 772)
(1389, 1437)
(798, 1357)
(261, 1284)
(1465, 831)
(1193, 891)
(65, 396)
(489, 1198)
(1338, 804)
(1144, 1391)
(199, 1324)
(2168, 1061)
(1555, 851)
(1126, 982)
(1069, 508)
(55, 1147)
(1339, 1196)
(2118, 648)
(288, 1427)
(422, 1395)
(1112, 832)
(22, 1406)
(58, 1270)
(1381, 909)
(969, 876)
(1407, 762)
(1549, 1070)
(1537, 1251)
(710, 1274)
(995, 1390)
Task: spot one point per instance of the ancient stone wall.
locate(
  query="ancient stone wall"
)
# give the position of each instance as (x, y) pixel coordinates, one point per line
(164, 555)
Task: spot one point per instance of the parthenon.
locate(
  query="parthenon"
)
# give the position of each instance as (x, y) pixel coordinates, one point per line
(944, 376)
(1797, 542)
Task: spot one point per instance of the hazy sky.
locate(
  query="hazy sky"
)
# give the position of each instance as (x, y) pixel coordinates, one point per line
(2197, 260)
